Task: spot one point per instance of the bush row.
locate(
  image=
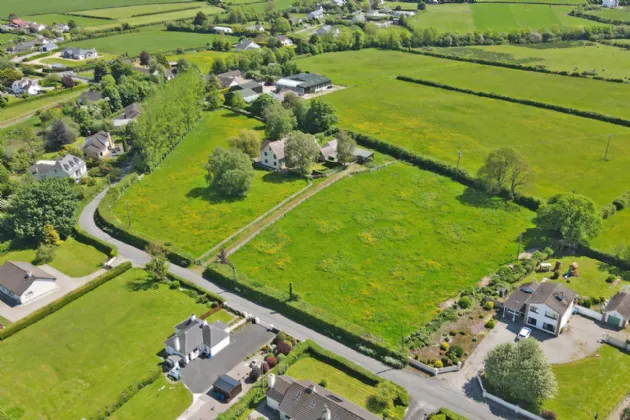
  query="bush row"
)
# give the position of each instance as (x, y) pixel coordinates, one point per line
(305, 314)
(433, 165)
(107, 221)
(84, 237)
(63, 301)
(604, 257)
(448, 415)
(126, 395)
(572, 111)
(615, 44)
(525, 67)
(596, 18)
(47, 95)
(622, 201)
(190, 285)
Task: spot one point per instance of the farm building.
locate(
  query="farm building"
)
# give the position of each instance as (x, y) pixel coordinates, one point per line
(546, 306)
(305, 400)
(22, 282)
(617, 311)
(222, 29)
(194, 337)
(67, 166)
(303, 83)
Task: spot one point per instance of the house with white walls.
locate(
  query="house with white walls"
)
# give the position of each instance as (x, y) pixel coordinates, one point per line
(26, 85)
(194, 337)
(22, 282)
(68, 166)
(272, 154)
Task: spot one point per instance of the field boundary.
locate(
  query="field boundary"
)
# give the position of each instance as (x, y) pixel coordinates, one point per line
(526, 2)
(528, 102)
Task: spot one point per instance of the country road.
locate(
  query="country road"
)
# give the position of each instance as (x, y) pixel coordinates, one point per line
(430, 394)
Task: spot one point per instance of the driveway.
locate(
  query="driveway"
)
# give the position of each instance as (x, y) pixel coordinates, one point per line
(201, 373)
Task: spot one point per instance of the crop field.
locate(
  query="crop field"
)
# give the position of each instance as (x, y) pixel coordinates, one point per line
(75, 361)
(81, 21)
(463, 18)
(203, 59)
(151, 38)
(132, 11)
(622, 14)
(387, 247)
(605, 60)
(614, 235)
(175, 204)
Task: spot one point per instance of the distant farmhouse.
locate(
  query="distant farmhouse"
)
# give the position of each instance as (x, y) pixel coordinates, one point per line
(249, 91)
(316, 14)
(67, 166)
(22, 47)
(78, 53)
(255, 28)
(272, 154)
(246, 44)
(303, 83)
(328, 30)
(48, 46)
(229, 79)
(284, 40)
(610, 3)
(22, 282)
(222, 29)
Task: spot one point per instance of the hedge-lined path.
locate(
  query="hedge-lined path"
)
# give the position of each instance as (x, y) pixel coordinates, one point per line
(430, 393)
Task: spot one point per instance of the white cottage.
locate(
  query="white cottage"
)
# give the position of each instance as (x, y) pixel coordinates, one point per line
(26, 85)
(22, 282)
(68, 166)
(272, 154)
(194, 337)
(610, 3)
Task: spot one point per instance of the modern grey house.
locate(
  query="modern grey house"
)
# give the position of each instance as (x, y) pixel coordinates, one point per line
(303, 83)
(194, 337)
(78, 53)
(21, 282)
(68, 166)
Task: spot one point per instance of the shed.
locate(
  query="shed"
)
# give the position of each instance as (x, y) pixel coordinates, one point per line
(617, 311)
(227, 388)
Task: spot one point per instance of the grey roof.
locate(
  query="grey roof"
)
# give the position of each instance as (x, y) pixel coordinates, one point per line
(233, 73)
(97, 141)
(304, 400)
(50, 45)
(555, 295)
(192, 332)
(25, 46)
(90, 96)
(329, 150)
(133, 110)
(74, 51)
(362, 153)
(520, 296)
(277, 147)
(308, 79)
(619, 303)
(14, 276)
(250, 84)
(67, 164)
(247, 94)
(226, 383)
(246, 44)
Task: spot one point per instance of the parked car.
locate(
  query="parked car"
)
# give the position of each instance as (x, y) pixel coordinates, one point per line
(523, 334)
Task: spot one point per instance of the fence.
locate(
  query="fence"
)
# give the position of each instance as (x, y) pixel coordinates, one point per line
(433, 370)
(589, 313)
(517, 410)
(615, 342)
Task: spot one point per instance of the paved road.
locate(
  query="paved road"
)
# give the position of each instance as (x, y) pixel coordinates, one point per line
(430, 393)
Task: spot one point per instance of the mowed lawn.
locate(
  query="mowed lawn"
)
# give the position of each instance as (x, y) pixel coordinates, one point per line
(21, 7)
(382, 250)
(565, 152)
(162, 399)
(594, 385)
(175, 204)
(79, 359)
(605, 60)
(203, 59)
(151, 38)
(463, 18)
(615, 234)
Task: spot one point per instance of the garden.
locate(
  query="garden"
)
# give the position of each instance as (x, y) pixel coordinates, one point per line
(174, 205)
(76, 361)
(385, 247)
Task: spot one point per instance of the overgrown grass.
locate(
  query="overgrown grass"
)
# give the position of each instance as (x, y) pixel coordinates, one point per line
(203, 59)
(384, 249)
(594, 385)
(82, 357)
(175, 204)
(26, 108)
(614, 236)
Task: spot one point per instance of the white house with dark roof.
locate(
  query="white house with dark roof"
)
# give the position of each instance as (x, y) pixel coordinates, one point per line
(78, 53)
(26, 85)
(328, 29)
(284, 40)
(610, 3)
(48, 46)
(194, 337)
(304, 400)
(246, 44)
(22, 282)
(222, 29)
(256, 28)
(68, 166)
(99, 146)
(316, 14)
(272, 154)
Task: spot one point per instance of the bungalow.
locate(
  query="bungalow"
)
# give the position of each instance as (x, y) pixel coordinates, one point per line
(194, 337)
(328, 30)
(21, 282)
(78, 53)
(48, 46)
(246, 44)
(228, 79)
(328, 152)
(617, 311)
(99, 146)
(89, 97)
(24, 46)
(316, 14)
(67, 166)
(37, 27)
(272, 154)
(303, 83)
(284, 40)
(25, 85)
(255, 28)
(304, 400)
(222, 29)
(545, 306)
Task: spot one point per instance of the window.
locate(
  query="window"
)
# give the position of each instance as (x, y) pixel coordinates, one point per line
(551, 315)
(274, 156)
(549, 327)
(265, 153)
(533, 309)
(266, 161)
(531, 321)
(313, 403)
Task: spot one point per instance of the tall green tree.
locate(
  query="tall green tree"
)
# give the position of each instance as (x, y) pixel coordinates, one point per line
(520, 372)
(319, 117)
(572, 217)
(101, 69)
(247, 141)
(157, 267)
(37, 204)
(59, 134)
(345, 147)
(230, 171)
(300, 152)
(280, 25)
(144, 58)
(200, 19)
(279, 121)
(258, 106)
(505, 168)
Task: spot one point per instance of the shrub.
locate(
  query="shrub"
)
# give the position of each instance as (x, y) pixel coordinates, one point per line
(457, 350)
(174, 284)
(281, 336)
(465, 302)
(586, 302)
(438, 364)
(611, 279)
(475, 339)
(265, 367)
(462, 332)
(444, 346)
(608, 210)
(555, 275)
(396, 363)
(488, 306)
(549, 415)
(283, 347)
(271, 361)
(44, 254)
(323, 383)
(452, 333)
(490, 324)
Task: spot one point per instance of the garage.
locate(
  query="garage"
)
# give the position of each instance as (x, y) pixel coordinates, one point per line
(617, 310)
(613, 320)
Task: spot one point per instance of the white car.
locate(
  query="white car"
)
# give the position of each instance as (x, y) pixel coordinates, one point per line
(523, 334)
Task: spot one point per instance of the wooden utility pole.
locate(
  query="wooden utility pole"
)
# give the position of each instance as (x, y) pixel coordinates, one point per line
(128, 216)
(459, 157)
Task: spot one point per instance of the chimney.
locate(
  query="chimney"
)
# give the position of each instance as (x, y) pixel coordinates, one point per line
(176, 343)
(193, 318)
(28, 275)
(327, 414)
(271, 381)
(312, 389)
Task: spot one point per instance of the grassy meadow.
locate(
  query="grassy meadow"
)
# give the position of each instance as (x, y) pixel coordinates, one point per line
(593, 385)
(26, 108)
(151, 38)
(80, 360)
(146, 9)
(182, 13)
(605, 60)
(203, 59)
(21, 7)
(463, 18)
(614, 235)
(174, 204)
(622, 14)
(384, 249)
(81, 21)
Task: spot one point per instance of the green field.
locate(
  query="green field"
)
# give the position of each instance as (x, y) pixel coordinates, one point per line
(605, 60)
(77, 360)
(76, 63)
(187, 13)
(622, 14)
(203, 59)
(132, 11)
(21, 7)
(614, 235)
(569, 2)
(81, 21)
(384, 249)
(403, 5)
(594, 385)
(7, 37)
(162, 399)
(26, 108)
(174, 204)
(463, 18)
(151, 38)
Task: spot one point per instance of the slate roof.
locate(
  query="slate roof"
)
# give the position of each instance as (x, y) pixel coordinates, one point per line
(277, 147)
(555, 295)
(620, 303)
(246, 44)
(90, 96)
(226, 383)
(248, 95)
(68, 164)
(307, 79)
(133, 110)
(75, 52)
(98, 141)
(304, 400)
(25, 46)
(14, 276)
(192, 332)
(329, 150)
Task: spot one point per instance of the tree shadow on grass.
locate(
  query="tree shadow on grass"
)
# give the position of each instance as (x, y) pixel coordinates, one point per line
(280, 178)
(212, 195)
(475, 198)
(145, 283)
